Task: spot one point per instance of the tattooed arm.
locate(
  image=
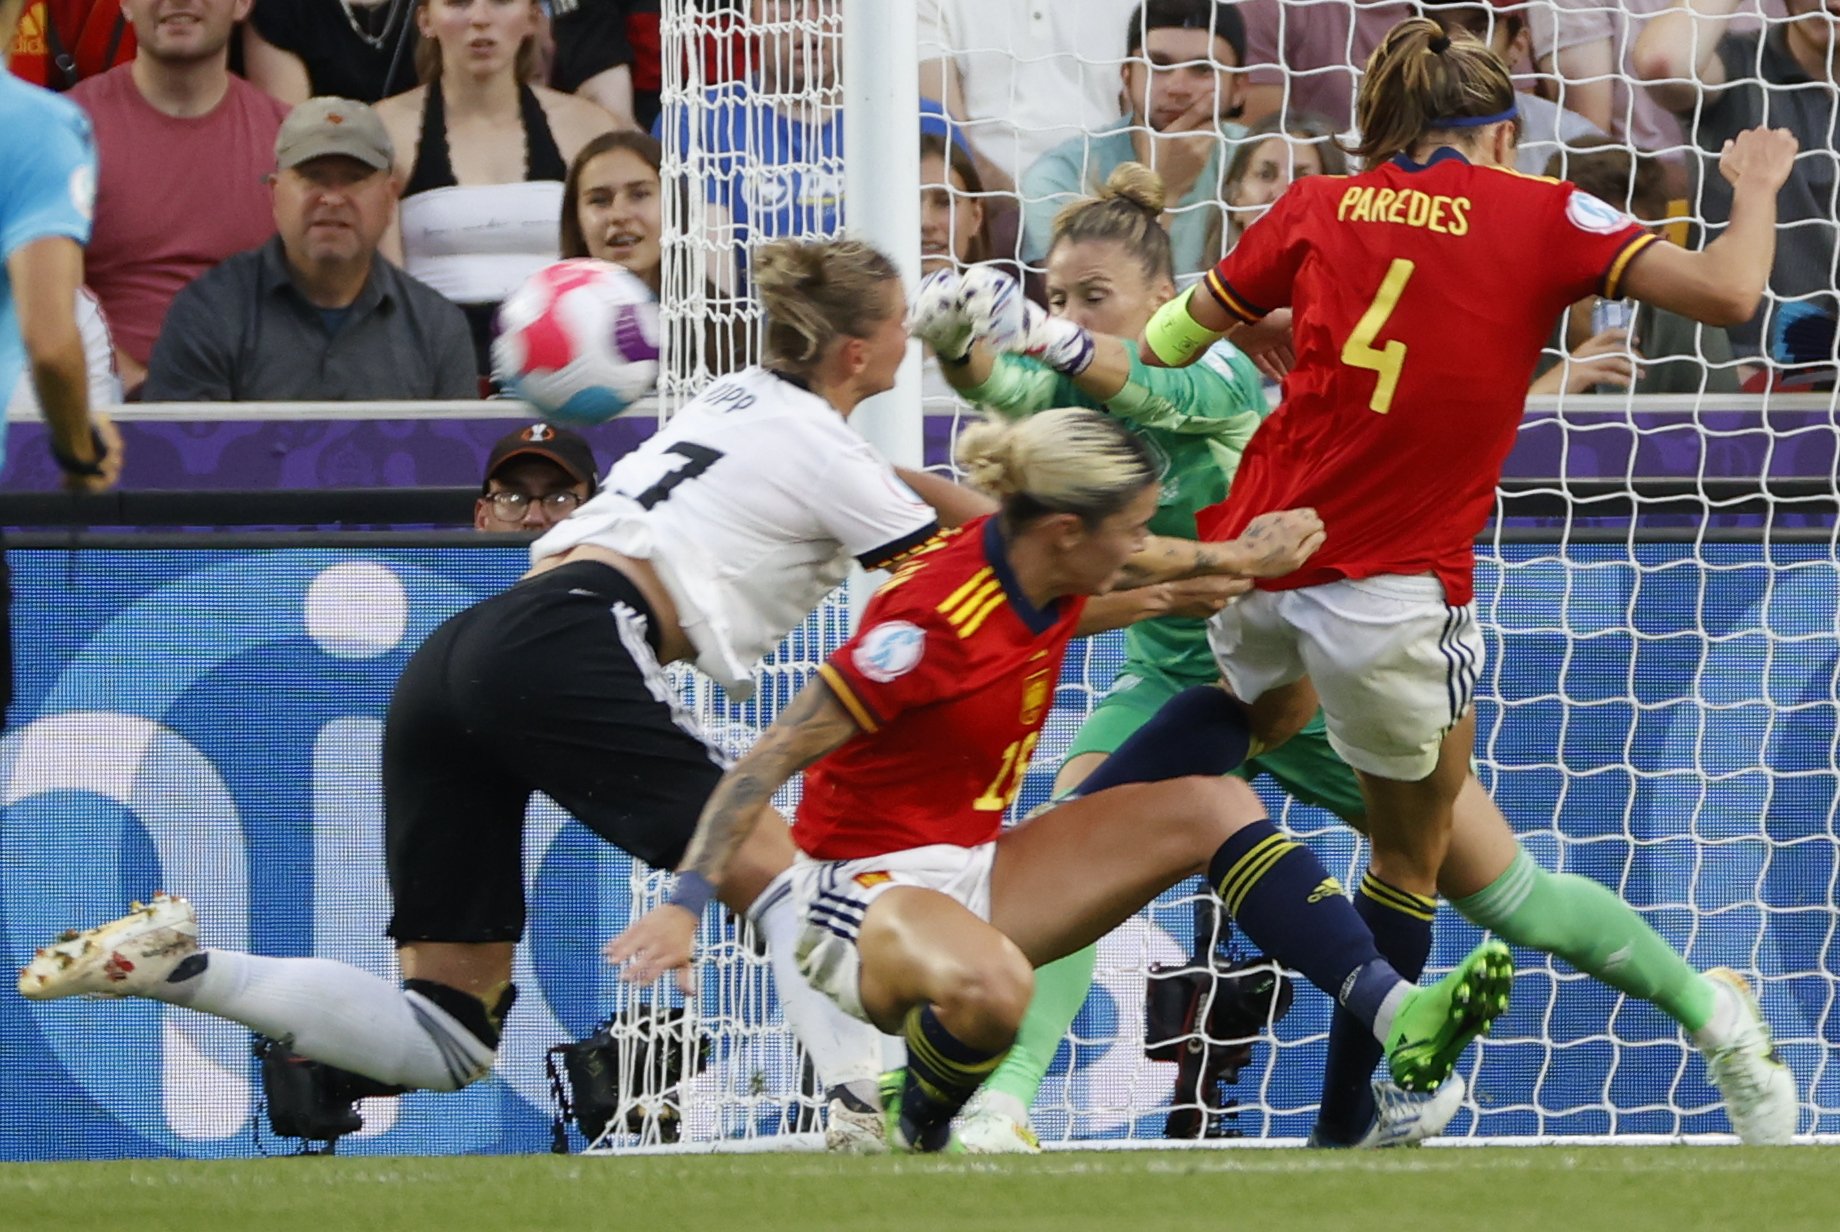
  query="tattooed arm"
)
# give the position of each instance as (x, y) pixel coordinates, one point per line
(1272, 545)
(664, 938)
(813, 725)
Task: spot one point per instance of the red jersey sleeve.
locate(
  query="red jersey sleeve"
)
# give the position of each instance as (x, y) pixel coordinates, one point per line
(1255, 278)
(900, 659)
(1590, 244)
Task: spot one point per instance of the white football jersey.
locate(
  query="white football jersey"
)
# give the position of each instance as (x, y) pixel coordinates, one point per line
(750, 503)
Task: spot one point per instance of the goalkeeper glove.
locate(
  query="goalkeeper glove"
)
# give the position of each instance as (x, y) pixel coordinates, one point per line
(938, 317)
(996, 307)
(1057, 342)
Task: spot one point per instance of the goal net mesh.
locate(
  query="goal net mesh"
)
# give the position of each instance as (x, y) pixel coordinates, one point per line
(1659, 599)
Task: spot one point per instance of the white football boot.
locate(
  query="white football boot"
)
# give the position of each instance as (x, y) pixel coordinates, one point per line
(1406, 1118)
(988, 1126)
(1758, 1090)
(123, 958)
(853, 1126)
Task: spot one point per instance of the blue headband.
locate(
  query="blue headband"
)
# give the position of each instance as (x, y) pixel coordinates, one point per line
(1476, 121)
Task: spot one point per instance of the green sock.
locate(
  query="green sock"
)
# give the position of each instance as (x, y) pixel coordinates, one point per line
(1060, 991)
(1582, 922)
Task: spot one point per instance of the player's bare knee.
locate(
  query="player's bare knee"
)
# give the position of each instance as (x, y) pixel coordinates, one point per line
(988, 994)
(1196, 815)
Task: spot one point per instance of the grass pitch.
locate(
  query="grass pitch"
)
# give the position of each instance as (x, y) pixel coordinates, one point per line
(1538, 1189)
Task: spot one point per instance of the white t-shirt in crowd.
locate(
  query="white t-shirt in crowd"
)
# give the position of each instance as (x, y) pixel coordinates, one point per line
(1035, 72)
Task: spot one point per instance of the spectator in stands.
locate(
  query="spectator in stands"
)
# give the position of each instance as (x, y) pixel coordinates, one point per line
(483, 155)
(184, 149)
(313, 314)
(60, 42)
(1677, 355)
(534, 478)
(612, 211)
(1587, 47)
(1269, 159)
(1724, 82)
(1546, 127)
(1179, 91)
(607, 51)
(357, 49)
(1302, 55)
(1019, 77)
(611, 207)
(768, 149)
(953, 233)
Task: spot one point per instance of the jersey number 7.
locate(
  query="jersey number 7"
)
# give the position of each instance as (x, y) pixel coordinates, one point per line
(700, 458)
(1386, 360)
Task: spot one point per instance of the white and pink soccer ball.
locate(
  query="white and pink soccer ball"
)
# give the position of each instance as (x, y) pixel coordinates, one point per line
(578, 341)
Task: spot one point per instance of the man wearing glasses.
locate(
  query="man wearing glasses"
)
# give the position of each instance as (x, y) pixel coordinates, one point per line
(535, 478)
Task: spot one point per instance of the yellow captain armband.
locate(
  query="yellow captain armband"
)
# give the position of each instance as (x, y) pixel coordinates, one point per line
(1174, 336)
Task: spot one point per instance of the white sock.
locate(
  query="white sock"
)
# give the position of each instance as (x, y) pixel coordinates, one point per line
(338, 1015)
(1727, 1017)
(1389, 1010)
(842, 1049)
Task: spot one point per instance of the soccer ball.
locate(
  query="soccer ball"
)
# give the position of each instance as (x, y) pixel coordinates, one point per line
(578, 341)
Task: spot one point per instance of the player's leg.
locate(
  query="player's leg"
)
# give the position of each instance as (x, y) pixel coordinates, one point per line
(454, 824)
(616, 751)
(997, 1119)
(953, 987)
(1069, 876)
(1492, 880)
(1357, 1109)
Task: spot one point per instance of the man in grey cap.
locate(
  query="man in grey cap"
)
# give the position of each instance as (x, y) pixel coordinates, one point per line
(315, 314)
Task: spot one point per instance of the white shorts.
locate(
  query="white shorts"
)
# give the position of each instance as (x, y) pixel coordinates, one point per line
(831, 897)
(1394, 665)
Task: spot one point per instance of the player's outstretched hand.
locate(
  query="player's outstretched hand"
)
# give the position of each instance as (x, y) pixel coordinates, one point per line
(938, 316)
(1279, 543)
(998, 310)
(661, 940)
(1761, 155)
(1201, 597)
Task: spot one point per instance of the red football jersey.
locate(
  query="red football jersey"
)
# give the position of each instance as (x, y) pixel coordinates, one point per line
(950, 676)
(1421, 296)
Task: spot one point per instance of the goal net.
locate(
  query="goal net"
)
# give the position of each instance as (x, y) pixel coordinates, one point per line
(1658, 594)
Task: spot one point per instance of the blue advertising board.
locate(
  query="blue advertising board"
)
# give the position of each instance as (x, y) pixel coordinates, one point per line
(207, 721)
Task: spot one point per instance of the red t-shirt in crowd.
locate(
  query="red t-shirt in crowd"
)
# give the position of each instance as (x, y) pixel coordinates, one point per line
(173, 196)
(1421, 296)
(950, 677)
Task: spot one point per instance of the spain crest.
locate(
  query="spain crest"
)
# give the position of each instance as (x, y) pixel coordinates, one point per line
(1035, 692)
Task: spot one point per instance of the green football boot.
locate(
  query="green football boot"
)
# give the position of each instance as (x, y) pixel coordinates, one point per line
(1435, 1024)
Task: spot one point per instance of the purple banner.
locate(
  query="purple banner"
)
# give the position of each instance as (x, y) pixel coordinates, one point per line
(304, 454)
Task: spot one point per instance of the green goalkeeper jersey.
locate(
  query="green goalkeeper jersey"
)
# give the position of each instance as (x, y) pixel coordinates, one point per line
(1196, 419)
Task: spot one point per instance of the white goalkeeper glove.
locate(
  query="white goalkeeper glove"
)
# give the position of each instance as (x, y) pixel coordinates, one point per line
(996, 307)
(1003, 318)
(938, 317)
(1057, 342)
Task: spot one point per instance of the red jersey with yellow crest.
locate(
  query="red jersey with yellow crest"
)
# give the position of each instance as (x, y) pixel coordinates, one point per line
(1421, 295)
(950, 677)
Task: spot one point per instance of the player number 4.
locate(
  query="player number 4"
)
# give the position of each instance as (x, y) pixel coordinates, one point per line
(1385, 360)
(1008, 781)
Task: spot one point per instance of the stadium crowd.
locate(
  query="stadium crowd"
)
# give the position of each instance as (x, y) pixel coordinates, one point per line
(491, 111)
